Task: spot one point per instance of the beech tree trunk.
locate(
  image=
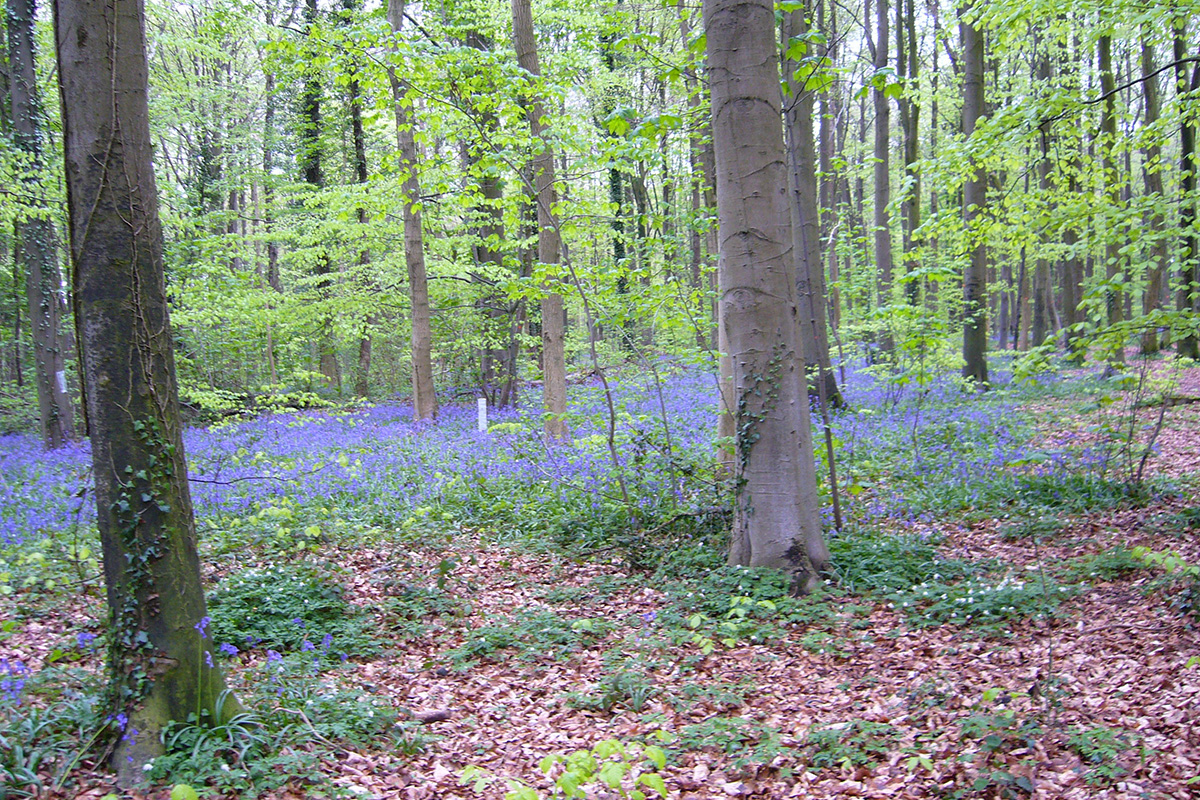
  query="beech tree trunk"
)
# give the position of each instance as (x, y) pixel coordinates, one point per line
(1152, 179)
(314, 176)
(907, 66)
(883, 186)
(159, 654)
(554, 365)
(35, 252)
(806, 229)
(777, 520)
(974, 203)
(424, 399)
(1113, 296)
(1187, 346)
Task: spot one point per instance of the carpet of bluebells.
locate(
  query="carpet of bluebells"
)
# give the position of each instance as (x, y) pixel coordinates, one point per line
(894, 443)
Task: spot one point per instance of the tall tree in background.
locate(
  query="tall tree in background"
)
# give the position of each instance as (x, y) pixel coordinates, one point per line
(974, 202)
(314, 176)
(554, 365)
(1114, 300)
(777, 520)
(1152, 180)
(811, 297)
(882, 153)
(1188, 346)
(975, 199)
(159, 656)
(36, 250)
(424, 399)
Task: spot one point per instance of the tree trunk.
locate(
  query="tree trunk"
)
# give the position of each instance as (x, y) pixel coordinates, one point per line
(777, 519)
(974, 203)
(883, 187)
(362, 379)
(35, 250)
(806, 229)
(1152, 179)
(424, 399)
(1113, 295)
(554, 365)
(310, 162)
(159, 654)
(1187, 346)
(910, 118)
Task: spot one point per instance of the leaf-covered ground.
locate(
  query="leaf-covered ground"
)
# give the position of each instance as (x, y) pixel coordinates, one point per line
(498, 654)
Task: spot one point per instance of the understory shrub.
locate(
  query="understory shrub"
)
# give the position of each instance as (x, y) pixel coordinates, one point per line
(289, 608)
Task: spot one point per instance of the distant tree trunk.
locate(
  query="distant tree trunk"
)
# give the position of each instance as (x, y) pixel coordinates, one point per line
(907, 62)
(36, 251)
(424, 399)
(1151, 164)
(160, 662)
(554, 365)
(310, 162)
(362, 379)
(974, 203)
(882, 154)
(1043, 297)
(1186, 300)
(777, 521)
(1113, 296)
(829, 108)
(806, 228)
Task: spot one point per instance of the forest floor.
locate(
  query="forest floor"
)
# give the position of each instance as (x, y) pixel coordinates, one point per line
(517, 654)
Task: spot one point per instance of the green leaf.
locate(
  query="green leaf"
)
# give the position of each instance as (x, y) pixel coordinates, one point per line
(654, 781)
(612, 773)
(182, 791)
(658, 756)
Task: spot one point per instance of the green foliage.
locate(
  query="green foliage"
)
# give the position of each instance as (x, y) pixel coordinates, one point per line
(1100, 747)
(1108, 565)
(286, 607)
(982, 604)
(745, 741)
(50, 737)
(877, 561)
(627, 688)
(624, 769)
(1182, 578)
(536, 635)
(415, 604)
(257, 752)
(850, 744)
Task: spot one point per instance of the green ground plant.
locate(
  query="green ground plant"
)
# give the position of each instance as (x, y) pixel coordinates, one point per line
(299, 607)
(850, 744)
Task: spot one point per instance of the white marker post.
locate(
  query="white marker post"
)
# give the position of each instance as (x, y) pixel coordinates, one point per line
(482, 415)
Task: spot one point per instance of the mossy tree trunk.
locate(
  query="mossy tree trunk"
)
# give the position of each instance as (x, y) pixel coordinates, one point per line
(974, 203)
(159, 659)
(776, 522)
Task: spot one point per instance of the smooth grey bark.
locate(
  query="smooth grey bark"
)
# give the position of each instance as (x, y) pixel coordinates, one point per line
(424, 399)
(554, 365)
(811, 299)
(974, 203)
(776, 520)
(36, 251)
(882, 222)
(1152, 297)
(1113, 296)
(159, 657)
(907, 66)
